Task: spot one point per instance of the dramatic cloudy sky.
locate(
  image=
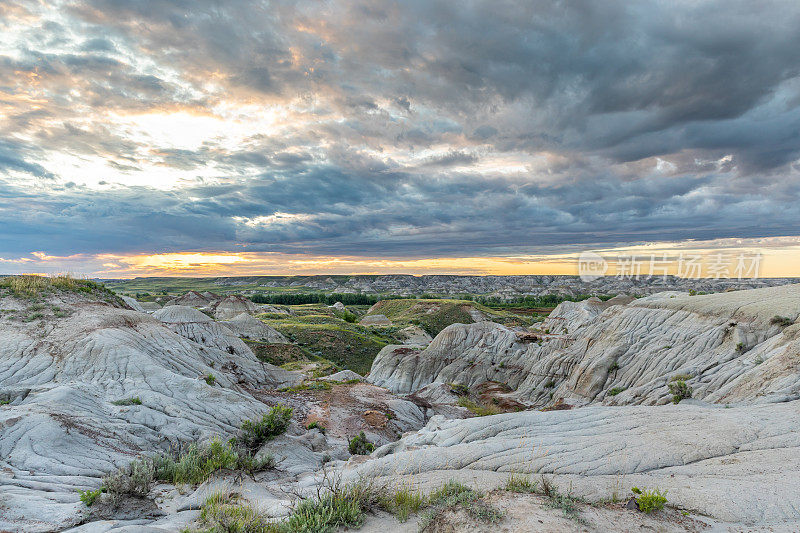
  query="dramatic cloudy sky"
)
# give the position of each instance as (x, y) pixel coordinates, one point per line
(246, 136)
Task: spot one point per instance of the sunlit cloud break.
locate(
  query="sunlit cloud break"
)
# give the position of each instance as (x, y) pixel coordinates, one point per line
(354, 137)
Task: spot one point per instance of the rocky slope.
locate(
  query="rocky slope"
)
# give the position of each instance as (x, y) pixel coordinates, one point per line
(727, 347)
(735, 465)
(61, 370)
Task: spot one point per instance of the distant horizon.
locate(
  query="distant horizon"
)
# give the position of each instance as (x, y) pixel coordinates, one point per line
(614, 276)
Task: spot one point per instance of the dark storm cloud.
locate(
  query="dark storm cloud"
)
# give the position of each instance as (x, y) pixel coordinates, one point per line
(629, 122)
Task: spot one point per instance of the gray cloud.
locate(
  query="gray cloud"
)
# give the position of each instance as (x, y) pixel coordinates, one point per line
(630, 122)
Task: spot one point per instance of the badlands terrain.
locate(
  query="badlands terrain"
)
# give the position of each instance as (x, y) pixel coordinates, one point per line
(502, 287)
(207, 412)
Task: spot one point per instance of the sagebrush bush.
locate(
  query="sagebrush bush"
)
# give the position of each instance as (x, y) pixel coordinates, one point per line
(360, 445)
(191, 465)
(783, 321)
(196, 463)
(136, 479)
(254, 433)
(339, 505)
(679, 390)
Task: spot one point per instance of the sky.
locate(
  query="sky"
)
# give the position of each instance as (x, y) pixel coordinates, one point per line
(210, 137)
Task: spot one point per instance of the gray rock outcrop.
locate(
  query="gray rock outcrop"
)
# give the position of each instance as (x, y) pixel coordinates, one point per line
(726, 347)
(375, 320)
(736, 465)
(233, 306)
(60, 430)
(249, 327)
(202, 329)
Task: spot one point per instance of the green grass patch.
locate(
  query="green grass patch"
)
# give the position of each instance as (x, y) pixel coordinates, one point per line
(615, 391)
(128, 401)
(226, 512)
(32, 286)
(520, 483)
(308, 385)
(316, 425)
(456, 495)
(478, 409)
(556, 499)
(347, 345)
(279, 354)
(404, 502)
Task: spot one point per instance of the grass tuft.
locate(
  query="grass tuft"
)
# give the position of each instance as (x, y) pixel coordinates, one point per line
(476, 409)
(128, 401)
(520, 483)
(32, 286)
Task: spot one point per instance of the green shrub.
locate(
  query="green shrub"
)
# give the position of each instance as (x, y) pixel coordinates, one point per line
(458, 389)
(615, 391)
(360, 445)
(650, 500)
(256, 433)
(210, 379)
(783, 321)
(193, 465)
(348, 316)
(550, 384)
(679, 390)
(316, 425)
(128, 401)
(342, 505)
(90, 496)
(136, 479)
